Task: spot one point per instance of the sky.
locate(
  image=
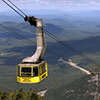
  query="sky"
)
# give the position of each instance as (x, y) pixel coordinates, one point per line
(65, 5)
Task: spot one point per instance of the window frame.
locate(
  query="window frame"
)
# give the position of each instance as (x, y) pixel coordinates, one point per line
(26, 72)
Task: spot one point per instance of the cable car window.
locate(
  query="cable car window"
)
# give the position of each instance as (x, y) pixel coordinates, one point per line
(35, 71)
(43, 68)
(26, 71)
(18, 70)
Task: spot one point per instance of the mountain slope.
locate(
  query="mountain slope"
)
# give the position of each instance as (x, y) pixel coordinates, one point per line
(81, 89)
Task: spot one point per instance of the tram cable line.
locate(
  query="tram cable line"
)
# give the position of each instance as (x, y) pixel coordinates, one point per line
(16, 34)
(17, 8)
(31, 42)
(13, 8)
(69, 47)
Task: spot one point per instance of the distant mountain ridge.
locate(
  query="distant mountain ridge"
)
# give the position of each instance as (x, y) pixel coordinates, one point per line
(34, 12)
(50, 14)
(4, 18)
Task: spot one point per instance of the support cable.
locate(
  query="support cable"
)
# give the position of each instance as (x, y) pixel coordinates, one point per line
(31, 42)
(17, 7)
(13, 8)
(17, 35)
(69, 47)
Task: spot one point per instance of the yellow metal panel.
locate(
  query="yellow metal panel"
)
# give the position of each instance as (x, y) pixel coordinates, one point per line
(20, 71)
(32, 79)
(31, 71)
(28, 79)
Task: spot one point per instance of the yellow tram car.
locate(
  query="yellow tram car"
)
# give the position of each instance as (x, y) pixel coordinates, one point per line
(32, 69)
(32, 73)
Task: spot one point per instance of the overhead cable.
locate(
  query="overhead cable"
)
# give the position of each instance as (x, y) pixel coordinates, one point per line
(13, 8)
(16, 34)
(69, 47)
(17, 7)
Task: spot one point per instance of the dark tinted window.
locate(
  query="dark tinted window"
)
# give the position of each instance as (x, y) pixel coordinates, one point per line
(35, 71)
(18, 70)
(43, 68)
(26, 71)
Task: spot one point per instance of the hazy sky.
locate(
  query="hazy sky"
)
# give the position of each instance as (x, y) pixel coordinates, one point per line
(54, 4)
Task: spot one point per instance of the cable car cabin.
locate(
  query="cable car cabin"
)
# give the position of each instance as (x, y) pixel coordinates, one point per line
(32, 73)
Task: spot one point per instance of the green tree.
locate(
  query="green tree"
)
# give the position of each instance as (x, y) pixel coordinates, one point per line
(5, 96)
(35, 96)
(21, 95)
(12, 96)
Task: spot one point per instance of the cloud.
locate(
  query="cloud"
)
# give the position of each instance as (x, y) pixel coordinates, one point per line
(55, 4)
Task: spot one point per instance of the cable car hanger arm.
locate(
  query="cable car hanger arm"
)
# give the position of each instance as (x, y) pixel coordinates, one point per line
(41, 44)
